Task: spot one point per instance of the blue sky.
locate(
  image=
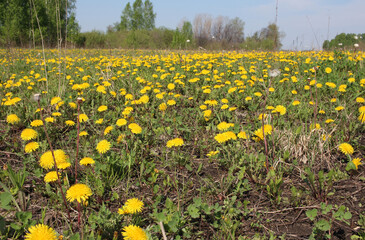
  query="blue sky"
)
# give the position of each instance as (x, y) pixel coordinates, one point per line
(304, 22)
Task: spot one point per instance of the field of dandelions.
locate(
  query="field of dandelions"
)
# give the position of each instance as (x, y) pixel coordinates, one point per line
(122, 144)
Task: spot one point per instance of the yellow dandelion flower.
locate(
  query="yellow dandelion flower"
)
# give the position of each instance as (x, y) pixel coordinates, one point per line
(99, 121)
(120, 138)
(31, 147)
(12, 119)
(87, 161)
(79, 192)
(279, 109)
(49, 119)
(133, 232)
(46, 161)
(51, 176)
(295, 103)
(56, 114)
(131, 206)
(135, 128)
(83, 117)
(72, 105)
(162, 107)
(176, 142)
(362, 109)
(346, 148)
(103, 146)
(242, 135)
(360, 100)
(339, 108)
(224, 126)
(171, 86)
(121, 122)
(55, 100)
(226, 136)
(362, 117)
(102, 108)
(70, 123)
(329, 120)
(28, 134)
(41, 232)
(328, 70)
(36, 123)
(212, 153)
(83, 133)
(171, 102)
(108, 130)
(356, 162)
(260, 135)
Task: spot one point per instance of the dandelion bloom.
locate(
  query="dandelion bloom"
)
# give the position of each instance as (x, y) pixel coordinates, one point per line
(51, 177)
(346, 148)
(83, 117)
(49, 119)
(259, 134)
(83, 133)
(55, 100)
(224, 126)
(176, 142)
(36, 123)
(133, 232)
(87, 161)
(212, 153)
(102, 108)
(339, 108)
(242, 135)
(70, 123)
(132, 206)
(79, 192)
(279, 109)
(12, 119)
(103, 146)
(362, 109)
(171, 102)
(99, 121)
(356, 162)
(171, 86)
(135, 128)
(162, 107)
(28, 134)
(360, 100)
(31, 147)
(46, 161)
(121, 122)
(362, 117)
(296, 102)
(41, 232)
(108, 130)
(226, 136)
(328, 70)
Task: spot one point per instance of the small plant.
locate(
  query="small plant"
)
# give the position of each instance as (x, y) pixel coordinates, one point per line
(324, 219)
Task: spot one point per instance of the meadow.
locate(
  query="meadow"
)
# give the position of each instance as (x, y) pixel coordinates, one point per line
(137, 144)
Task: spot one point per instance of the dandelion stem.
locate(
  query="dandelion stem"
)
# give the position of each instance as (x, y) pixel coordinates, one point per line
(77, 138)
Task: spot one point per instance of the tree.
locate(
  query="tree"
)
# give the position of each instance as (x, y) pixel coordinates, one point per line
(138, 16)
(126, 18)
(148, 16)
(268, 38)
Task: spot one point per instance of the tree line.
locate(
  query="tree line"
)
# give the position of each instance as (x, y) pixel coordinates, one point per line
(26, 22)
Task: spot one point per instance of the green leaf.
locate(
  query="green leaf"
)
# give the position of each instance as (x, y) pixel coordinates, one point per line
(160, 217)
(5, 199)
(311, 214)
(193, 211)
(323, 225)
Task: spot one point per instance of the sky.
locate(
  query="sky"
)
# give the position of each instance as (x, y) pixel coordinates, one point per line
(305, 23)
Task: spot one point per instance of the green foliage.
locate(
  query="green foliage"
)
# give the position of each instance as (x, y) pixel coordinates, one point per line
(344, 40)
(19, 22)
(139, 16)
